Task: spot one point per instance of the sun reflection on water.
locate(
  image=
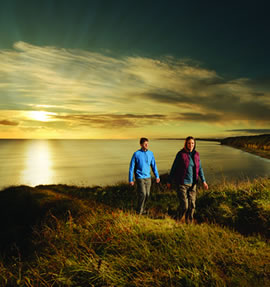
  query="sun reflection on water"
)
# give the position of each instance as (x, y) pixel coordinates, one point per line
(38, 164)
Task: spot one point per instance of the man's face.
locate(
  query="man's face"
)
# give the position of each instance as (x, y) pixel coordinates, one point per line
(144, 145)
(190, 145)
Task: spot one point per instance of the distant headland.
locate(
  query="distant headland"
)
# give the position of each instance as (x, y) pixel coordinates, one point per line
(197, 139)
(258, 144)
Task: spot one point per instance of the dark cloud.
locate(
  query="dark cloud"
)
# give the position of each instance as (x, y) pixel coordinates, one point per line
(206, 83)
(262, 82)
(169, 97)
(199, 117)
(258, 95)
(236, 108)
(232, 107)
(112, 120)
(134, 120)
(8, 123)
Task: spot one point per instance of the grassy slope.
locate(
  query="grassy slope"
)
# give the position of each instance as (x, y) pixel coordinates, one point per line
(71, 236)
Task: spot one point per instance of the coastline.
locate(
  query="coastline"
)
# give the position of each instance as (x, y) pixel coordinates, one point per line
(260, 153)
(258, 145)
(264, 153)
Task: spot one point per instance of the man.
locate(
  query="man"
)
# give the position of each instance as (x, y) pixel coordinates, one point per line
(140, 164)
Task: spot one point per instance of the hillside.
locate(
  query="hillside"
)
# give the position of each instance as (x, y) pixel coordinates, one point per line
(59, 235)
(259, 145)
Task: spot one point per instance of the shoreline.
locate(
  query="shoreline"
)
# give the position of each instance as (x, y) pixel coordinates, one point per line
(258, 145)
(260, 153)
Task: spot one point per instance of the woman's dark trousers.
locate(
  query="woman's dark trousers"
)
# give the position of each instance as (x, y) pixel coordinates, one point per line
(187, 198)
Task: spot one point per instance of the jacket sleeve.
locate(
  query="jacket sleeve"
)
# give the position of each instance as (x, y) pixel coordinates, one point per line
(154, 167)
(131, 168)
(174, 168)
(201, 174)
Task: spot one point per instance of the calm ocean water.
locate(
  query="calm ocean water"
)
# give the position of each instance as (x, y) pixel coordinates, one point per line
(106, 162)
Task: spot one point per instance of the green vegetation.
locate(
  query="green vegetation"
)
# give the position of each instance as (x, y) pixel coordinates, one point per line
(259, 145)
(59, 235)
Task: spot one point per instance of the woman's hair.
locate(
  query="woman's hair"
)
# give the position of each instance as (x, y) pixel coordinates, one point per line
(189, 138)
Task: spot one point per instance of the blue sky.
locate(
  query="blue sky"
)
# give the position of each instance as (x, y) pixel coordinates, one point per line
(122, 69)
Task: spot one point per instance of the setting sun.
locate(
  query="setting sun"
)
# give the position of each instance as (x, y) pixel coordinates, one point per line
(40, 116)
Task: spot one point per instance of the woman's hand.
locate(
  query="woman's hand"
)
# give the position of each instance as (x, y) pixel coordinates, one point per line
(205, 185)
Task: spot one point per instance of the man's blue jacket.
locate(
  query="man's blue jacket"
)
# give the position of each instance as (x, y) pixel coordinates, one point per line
(141, 162)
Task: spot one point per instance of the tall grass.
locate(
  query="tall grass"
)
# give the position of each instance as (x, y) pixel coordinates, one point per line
(243, 206)
(81, 238)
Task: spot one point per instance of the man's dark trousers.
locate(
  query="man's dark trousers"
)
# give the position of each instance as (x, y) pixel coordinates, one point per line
(143, 186)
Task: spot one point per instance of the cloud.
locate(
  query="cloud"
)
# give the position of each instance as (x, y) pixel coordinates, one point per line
(240, 105)
(112, 120)
(48, 75)
(8, 123)
(135, 120)
(194, 88)
(100, 90)
(198, 117)
(259, 83)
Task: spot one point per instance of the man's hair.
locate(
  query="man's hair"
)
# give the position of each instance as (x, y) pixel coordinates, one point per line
(189, 138)
(142, 140)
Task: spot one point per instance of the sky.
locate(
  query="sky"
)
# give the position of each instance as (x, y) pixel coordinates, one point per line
(116, 69)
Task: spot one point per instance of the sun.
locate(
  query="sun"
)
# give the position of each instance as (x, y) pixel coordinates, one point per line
(41, 116)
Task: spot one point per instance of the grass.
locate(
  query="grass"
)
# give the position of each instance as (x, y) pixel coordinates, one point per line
(74, 236)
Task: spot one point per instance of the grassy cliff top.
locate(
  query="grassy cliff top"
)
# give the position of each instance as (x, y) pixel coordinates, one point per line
(58, 235)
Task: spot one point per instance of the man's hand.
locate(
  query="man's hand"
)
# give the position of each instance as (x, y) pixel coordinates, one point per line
(131, 183)
(205, 185)
(169, 185)
(157, 180)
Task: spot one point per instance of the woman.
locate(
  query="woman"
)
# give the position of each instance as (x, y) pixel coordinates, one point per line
(185, 172)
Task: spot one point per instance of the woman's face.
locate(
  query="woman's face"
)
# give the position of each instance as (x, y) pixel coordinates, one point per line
(190, 144)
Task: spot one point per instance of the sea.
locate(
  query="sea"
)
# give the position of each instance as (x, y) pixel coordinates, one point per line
(106, 162)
